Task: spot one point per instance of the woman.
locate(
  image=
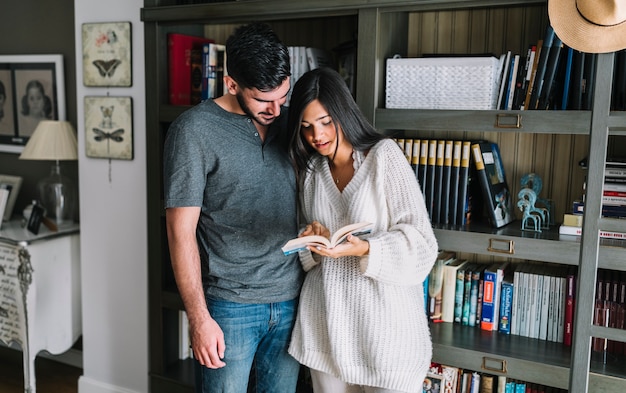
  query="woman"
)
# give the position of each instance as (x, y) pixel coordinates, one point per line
(361, 323)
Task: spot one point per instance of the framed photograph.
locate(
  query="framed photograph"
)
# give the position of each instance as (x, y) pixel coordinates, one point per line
(109, 127)
(13, 184)
(433, 383)
(32, 88)
(107, 54)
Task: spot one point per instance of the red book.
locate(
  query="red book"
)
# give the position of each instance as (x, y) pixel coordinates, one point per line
(179, 47)
(570, 295)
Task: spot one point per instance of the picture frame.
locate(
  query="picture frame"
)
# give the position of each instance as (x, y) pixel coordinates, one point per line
(107, 54)
(109, 127)
(13, 184)
(41, 76)
(433, 383)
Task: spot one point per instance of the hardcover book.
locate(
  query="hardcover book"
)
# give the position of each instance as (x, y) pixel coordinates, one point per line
(459, 292)
(462, 193)
(495, 190)
(423, 166)
(476, 294)
(541, 67)
(438, 190)
(213, 66)
(467, 293)
(449, 296)
(430, 177)
(444, 205)
(506, 304)
(415, 158)
(454, 182)
(492, 281)
(179, 50)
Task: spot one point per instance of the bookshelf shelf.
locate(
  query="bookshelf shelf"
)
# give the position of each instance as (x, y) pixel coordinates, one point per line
(536, 122)
(547, 142)
(546, 246)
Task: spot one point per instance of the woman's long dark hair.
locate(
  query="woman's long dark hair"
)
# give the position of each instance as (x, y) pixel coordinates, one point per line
(330, 89)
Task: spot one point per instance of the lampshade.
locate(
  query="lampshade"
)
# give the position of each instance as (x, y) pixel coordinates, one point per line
(51, 140)
(54, 140)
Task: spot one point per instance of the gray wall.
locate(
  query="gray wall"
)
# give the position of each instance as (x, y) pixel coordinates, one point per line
(34, 27)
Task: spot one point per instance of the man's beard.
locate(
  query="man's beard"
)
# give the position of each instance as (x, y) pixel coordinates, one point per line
(249, 113)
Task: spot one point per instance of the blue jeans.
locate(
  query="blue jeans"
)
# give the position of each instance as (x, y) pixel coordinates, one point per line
(258, 333)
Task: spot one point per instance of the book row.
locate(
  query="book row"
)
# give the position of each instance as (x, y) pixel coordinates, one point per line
(460, 180)
(552, 75)
(529, 299)
(448, 379)
(197, 66)
(609, 311)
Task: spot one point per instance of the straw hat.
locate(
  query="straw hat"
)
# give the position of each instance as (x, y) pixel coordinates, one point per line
(593, 26)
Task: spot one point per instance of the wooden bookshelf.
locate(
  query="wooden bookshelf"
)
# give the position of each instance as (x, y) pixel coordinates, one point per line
(549, 143)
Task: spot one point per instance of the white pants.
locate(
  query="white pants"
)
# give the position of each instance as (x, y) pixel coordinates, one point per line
(326, 383)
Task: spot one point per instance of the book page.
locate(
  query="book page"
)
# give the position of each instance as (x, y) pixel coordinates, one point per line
(300, 243)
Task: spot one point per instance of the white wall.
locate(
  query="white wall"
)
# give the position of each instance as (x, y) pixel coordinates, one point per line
(113, 228)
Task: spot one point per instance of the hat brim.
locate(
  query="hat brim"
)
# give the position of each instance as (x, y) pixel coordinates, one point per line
(577, 33)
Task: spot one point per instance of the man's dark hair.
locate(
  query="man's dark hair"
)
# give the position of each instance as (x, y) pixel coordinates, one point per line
(257, 58)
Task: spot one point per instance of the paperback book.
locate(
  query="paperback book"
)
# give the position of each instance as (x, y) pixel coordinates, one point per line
(301, 243)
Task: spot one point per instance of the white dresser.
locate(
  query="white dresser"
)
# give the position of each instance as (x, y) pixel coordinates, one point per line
(40, 293)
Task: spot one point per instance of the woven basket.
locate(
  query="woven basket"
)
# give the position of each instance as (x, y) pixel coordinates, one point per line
(443, 83)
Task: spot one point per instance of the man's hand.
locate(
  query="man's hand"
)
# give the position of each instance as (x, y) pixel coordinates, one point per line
(207, 342)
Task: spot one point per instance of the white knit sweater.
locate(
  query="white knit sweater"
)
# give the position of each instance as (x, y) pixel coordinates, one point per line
(362, 319)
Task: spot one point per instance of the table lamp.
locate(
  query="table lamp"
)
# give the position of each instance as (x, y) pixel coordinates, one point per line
(54, 140)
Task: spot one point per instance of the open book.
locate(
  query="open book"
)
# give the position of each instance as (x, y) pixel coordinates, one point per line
(300, 243)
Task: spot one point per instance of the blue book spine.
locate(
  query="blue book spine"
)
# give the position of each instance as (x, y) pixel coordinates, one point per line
(567, 78)
(458, 295)
(426, 295)
(487, 321)
(520, 387)
(474, 297)
(506, 303)
(466, 297)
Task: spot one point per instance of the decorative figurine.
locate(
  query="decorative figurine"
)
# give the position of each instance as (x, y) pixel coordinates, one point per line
(534, 182)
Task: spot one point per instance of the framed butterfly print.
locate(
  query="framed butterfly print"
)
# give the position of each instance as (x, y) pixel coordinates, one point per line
(107, 54)
(109, 127)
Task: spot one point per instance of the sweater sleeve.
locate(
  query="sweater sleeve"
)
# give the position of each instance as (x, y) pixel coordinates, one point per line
(405, 251)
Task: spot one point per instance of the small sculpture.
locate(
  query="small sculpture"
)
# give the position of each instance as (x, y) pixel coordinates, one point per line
(534, 182)
(526, 204)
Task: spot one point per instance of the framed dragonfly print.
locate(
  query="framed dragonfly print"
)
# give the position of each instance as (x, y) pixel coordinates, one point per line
(109, 127)
(107, 54)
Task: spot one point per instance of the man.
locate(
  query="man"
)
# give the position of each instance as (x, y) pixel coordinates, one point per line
(230, 203)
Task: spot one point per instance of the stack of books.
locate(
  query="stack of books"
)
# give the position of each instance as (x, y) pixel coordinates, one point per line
(614, 191)
(613, 201)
